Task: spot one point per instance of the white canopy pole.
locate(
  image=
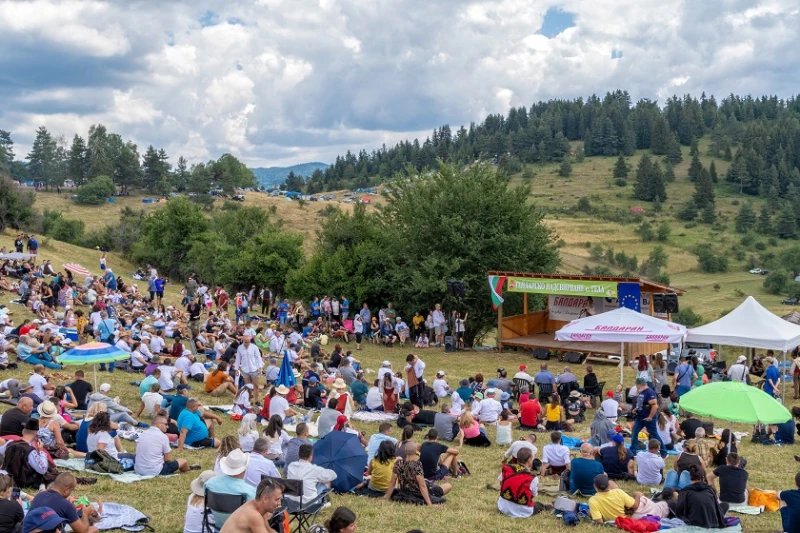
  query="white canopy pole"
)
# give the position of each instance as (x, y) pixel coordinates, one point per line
(783, 379)
(621, 361)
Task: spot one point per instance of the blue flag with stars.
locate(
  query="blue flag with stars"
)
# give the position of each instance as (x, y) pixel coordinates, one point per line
(630, 296)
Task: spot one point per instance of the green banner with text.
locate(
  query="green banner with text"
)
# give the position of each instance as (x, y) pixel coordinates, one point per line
(606, 289)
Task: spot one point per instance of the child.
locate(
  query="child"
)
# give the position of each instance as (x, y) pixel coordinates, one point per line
(10, 509)
(422, 341)
(504, 429)
(242, 404)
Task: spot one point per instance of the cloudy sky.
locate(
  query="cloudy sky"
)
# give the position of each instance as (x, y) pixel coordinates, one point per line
(278, 82)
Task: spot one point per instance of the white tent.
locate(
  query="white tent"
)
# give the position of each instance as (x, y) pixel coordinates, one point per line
(750, 325)
(621, 325)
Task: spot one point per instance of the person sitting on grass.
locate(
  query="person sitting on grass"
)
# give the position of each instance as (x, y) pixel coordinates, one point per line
(472, 432)
(555, 456)
(583, 470)
(732, 481)
(698, 503)
(379, 471)
(610, 502)
(617, 460)
(650, 465)
(554, 414)
(408, 480)
(790, 506)
(519, 486)
(436, 458)
(153, 452)
(196, 426)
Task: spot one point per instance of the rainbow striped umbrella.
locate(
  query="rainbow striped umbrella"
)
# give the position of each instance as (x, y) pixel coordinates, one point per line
(92, 354)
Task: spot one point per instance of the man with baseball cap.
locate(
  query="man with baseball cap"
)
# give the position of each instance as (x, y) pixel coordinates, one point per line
(610, 502)
(738, 372)
(646, 416)
(43, 519)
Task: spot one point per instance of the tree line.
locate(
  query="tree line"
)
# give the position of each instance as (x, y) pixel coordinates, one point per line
(52, 162)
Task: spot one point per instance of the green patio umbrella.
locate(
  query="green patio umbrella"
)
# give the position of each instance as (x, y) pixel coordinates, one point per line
(736, 402)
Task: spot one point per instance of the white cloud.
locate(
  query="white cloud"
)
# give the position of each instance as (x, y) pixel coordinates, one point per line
(294, 80)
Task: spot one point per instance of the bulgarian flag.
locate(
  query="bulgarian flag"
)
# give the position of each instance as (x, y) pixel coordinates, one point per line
(496, 285)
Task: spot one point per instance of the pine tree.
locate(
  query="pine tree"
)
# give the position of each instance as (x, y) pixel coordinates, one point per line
(620, 168)
(695, 168)
(764, 221)
(642, 189)
(565, 169)
(181, 176)
(657, 183)
(709, 213)
(712, 170)
(669, 173)
(694, 149)
(704, 189)
(786, 225)
(661, 138)
(746, 218)
(42, 157)
(78, 165)
(727, 155)
(674, 154)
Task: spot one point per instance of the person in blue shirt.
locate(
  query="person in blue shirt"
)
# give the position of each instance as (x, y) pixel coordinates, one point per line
(783, 433)
(683, 377)
(366, 317)
(110, 279)
(283, 311)
(194, 430)
(544, 376)
(583, 470)
(159, 290)
(790, 506)
(315, 308)
(151, 288)
(772, 378)
(646, 416)
(345, 308)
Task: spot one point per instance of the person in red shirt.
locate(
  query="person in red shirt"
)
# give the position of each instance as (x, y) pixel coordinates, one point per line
(529, 413)
(26, 327)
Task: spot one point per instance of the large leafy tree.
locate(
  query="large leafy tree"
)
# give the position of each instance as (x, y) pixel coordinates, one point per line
(16, 205)
(456, 223)
(230, 173)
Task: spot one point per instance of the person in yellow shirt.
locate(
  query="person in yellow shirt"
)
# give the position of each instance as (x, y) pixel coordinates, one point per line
(419, 324)
(554, 414)
(610, 501)
(380, 469)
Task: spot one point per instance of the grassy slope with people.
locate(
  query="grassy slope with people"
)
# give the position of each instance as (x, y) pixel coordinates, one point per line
(470, 503)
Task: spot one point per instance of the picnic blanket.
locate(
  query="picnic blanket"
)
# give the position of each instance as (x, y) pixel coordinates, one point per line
(743, 508)
(80, 466)
(367, 416)
(119, 516)
(224, 409)
(695, 529)
(313, 431)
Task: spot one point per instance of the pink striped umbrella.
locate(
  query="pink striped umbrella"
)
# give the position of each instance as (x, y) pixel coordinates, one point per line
(75, 268)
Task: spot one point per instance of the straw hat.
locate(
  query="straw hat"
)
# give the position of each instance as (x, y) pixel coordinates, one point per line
(282, 390)
(46, 410)
(339, 384)
(235, 463)
(198, 484)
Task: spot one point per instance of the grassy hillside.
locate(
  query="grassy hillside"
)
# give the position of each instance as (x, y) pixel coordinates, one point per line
(608, 225)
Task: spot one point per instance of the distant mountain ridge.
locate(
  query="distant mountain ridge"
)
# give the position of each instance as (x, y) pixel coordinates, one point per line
(274, 176)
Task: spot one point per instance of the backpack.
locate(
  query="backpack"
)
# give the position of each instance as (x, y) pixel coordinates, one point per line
(101, 461)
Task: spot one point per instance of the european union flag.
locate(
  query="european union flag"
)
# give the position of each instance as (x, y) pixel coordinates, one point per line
(630, 296)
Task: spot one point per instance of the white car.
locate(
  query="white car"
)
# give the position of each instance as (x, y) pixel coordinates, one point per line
(756, 271)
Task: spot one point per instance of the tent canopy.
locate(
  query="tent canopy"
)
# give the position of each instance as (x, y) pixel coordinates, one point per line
(621, 325)
(750, 325)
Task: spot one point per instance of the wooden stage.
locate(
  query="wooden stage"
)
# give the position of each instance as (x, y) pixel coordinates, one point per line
(547, 341)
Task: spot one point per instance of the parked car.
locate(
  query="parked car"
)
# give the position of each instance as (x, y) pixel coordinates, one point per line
(764, 272)
(238, 197)
(789, 301)
(705, 353)
(756, 271)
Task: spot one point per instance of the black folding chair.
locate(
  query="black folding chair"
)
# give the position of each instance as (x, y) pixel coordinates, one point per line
(220, 503)
(545, 391)
(302, 513)
(519, 383)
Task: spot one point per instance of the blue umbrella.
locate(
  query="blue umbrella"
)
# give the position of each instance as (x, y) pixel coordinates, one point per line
(341, 452)
(286, 373)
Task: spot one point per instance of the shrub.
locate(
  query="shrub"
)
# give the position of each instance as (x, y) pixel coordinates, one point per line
(619, 182)
(584, 205)
(97, 191)
(687, 317)
(709, 261)
(776, 281)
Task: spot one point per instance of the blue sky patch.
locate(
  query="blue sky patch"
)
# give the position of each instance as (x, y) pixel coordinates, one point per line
(209, 18)
(555, 21)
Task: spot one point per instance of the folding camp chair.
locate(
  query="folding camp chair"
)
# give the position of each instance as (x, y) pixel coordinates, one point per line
(519, 383)
(545, 391)
(596, 392)
(220, 503)
(302, 513)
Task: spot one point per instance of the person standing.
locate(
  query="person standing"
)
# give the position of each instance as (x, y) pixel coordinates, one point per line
(438, 321)
(646, 416)
(414, 368)
(366, 317)
(772, 377)
(738, 372)
(249, 363)
(684, 377)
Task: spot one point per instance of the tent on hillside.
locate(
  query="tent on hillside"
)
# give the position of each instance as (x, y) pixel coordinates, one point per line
(750, 325)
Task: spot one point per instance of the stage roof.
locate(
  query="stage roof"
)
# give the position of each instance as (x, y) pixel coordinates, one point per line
(646, 284)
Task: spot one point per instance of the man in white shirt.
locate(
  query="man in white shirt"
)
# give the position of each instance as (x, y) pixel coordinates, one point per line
(151, 401)
(385, 367)
(39, 382)
(259, 465)
(555, 456)
(440, 386)
(144, 347)
(738, 372)
(153, 452)
(220, 346)
(374, 398)
(314, 477)
(248, 362)
(523, 374)
(169, 374)
(488, 409)
(157, 343)
(649, 465)
(184, 362)
(438, 324)
(277, 343)
(610, 407)
(523, 442)
(414, 369)
(280, 406)
(198, 371)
